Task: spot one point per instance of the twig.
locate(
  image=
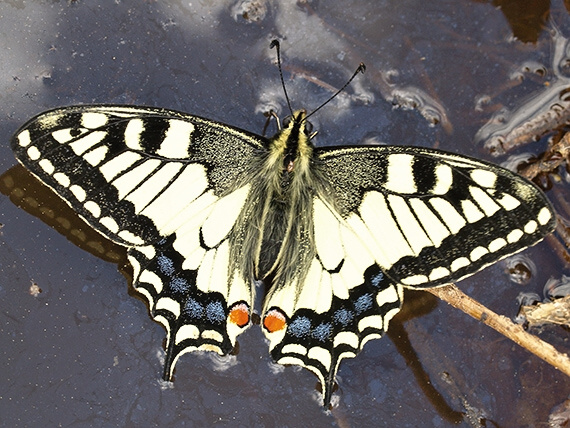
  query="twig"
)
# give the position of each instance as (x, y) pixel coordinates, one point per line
(456, 298)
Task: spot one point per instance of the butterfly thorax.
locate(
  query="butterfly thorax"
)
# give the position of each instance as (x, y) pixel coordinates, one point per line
(285, 190)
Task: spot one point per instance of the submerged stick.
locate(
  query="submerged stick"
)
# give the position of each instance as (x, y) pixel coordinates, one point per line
(456, 298)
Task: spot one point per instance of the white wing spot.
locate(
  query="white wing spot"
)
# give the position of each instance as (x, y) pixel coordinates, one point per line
(118, 164)
(294, 348)
(508, 202)
(148, 251)
(177, 140)
(47, 166)
(514, 236)
(110, 224)
(62, 179)
(93, 120)
(212, 334)
(438, 273)
(81, 145)
(530, 227)
(388, 295)
(400, 175)
(470, 211)
(34, 153)
(453, 220)
(187, 331)
(168, 304)
(484, 178)
(459, 263)
(389, 315)
(24, 139)
(128, 236)
(485, 202)
(544, 216)
(346, 338)
(497, 244)
(477, 253)
(62, 136)
(414, 280)
(374, 321)
(322, 355)
(93, 208)
(78, 192)
(133, 134)
(444, 179)
(152, 279)
(95, 157)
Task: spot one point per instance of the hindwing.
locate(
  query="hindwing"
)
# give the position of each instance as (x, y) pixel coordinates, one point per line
(171, 188)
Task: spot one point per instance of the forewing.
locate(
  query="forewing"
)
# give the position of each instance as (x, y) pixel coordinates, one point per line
(430, 217)
(130, 171)
(171, 188)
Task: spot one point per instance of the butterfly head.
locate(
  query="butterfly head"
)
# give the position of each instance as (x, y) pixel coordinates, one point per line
(290, 150)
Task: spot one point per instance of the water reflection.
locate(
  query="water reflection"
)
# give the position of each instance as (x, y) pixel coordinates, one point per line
(542, 112)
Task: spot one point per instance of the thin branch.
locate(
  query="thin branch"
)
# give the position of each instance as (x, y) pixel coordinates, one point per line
(456, 298)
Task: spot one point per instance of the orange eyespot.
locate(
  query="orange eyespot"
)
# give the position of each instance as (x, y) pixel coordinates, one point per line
(274, 321)
(239, 315)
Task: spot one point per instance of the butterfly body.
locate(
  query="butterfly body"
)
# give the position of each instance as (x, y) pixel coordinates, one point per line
(204, 209)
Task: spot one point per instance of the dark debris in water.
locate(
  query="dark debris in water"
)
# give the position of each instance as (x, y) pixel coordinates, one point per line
(543, 112)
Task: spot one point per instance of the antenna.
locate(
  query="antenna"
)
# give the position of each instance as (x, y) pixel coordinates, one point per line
(361, 69)
(275, 44)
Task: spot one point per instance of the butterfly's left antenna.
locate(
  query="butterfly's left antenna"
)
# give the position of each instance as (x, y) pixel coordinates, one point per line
(275, 44)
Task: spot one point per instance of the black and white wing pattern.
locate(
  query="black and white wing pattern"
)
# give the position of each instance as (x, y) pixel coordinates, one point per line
(401, 217)
(204, 209)
(169, 187)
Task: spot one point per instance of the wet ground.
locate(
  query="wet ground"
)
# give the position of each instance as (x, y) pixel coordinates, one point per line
(82, 352)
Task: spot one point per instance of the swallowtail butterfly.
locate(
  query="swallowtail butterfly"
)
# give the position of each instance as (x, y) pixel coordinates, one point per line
(205, 208)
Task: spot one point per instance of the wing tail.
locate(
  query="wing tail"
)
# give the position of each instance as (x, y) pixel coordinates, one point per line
(194, 319)
(320, 341)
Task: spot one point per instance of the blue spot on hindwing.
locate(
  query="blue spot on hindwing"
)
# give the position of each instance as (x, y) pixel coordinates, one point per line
(194, 309)
(299, 327)
(179, 285)
(377, 279)
(363, 303)
(322, 332)
(165, 264)
(215, 312)
(343, 316)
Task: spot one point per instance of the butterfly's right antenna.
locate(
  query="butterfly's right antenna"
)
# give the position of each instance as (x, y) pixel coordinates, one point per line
(275, 44)
(361, 68)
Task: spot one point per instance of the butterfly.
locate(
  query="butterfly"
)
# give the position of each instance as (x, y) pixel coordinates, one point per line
(204, 209)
